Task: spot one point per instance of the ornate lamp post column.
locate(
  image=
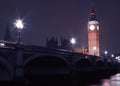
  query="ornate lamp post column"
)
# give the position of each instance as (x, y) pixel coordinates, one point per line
(73, 42)
(106, 52)
(20, 25)
(94, 50)
(18, 69)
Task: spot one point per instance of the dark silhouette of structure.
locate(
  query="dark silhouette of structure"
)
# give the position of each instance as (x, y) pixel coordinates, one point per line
(33, 62)
(52, 42)
(64, 43)
(7, 35)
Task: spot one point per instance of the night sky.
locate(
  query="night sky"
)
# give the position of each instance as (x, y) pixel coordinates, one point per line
(47, 18)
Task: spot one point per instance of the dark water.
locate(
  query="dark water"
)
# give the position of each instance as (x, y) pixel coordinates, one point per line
(113, 80)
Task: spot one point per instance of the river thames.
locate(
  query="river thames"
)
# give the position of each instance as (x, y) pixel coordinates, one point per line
(113, 80)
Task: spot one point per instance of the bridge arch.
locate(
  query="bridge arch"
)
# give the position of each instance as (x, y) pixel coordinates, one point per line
(43, 55)
(83, 62)
(100, 63)
(6, 70)
(109, 63)
(47, 61)
(46, 69)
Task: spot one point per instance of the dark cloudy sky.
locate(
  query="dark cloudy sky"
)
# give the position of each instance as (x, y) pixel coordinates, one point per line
(47, 18)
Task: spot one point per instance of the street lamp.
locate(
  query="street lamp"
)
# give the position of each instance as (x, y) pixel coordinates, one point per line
(73, 41)
(106, 52)
(112, 55)
(94, 49)
(19, 24)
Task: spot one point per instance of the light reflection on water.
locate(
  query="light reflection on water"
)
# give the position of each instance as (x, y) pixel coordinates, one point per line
(112, 81)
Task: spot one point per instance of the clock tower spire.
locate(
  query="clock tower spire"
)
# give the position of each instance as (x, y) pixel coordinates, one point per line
(92, 13)
(93, 33)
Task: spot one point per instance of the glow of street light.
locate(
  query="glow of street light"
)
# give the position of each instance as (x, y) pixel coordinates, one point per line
(106, 52)
(112, 55)
(19, 24)
(73, 41)
(94, 48)
(117, 58)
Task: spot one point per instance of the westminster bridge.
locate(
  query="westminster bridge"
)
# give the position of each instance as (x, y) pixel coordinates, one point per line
(23, 61)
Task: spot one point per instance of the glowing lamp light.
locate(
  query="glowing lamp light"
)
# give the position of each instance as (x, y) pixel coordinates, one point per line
(117, 58)
(112, 55)
(19, 24)
(94, 48)
(73, 41)
(106, 52)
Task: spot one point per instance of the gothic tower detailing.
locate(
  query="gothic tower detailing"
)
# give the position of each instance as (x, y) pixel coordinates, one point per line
(93, 34)
(7, 35)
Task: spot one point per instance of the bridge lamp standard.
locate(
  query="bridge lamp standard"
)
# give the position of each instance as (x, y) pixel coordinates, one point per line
(20, 25)
(112, 55)
(94, 49)
(106, 52)
(73, 42)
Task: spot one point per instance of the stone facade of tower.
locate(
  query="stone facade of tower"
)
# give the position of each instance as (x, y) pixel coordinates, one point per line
(93, 34)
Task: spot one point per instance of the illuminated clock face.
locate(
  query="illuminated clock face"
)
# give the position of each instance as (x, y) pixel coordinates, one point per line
(92, 27)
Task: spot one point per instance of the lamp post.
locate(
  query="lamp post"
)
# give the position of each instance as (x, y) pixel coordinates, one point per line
(106, 52)
(19, 24)
(112, 55)
(94, 50)
(73, 41)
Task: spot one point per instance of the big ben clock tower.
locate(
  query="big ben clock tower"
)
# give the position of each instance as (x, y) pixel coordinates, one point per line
(93, 34)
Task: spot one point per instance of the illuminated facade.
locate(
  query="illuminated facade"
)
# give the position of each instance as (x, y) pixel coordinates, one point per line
(93, 34)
